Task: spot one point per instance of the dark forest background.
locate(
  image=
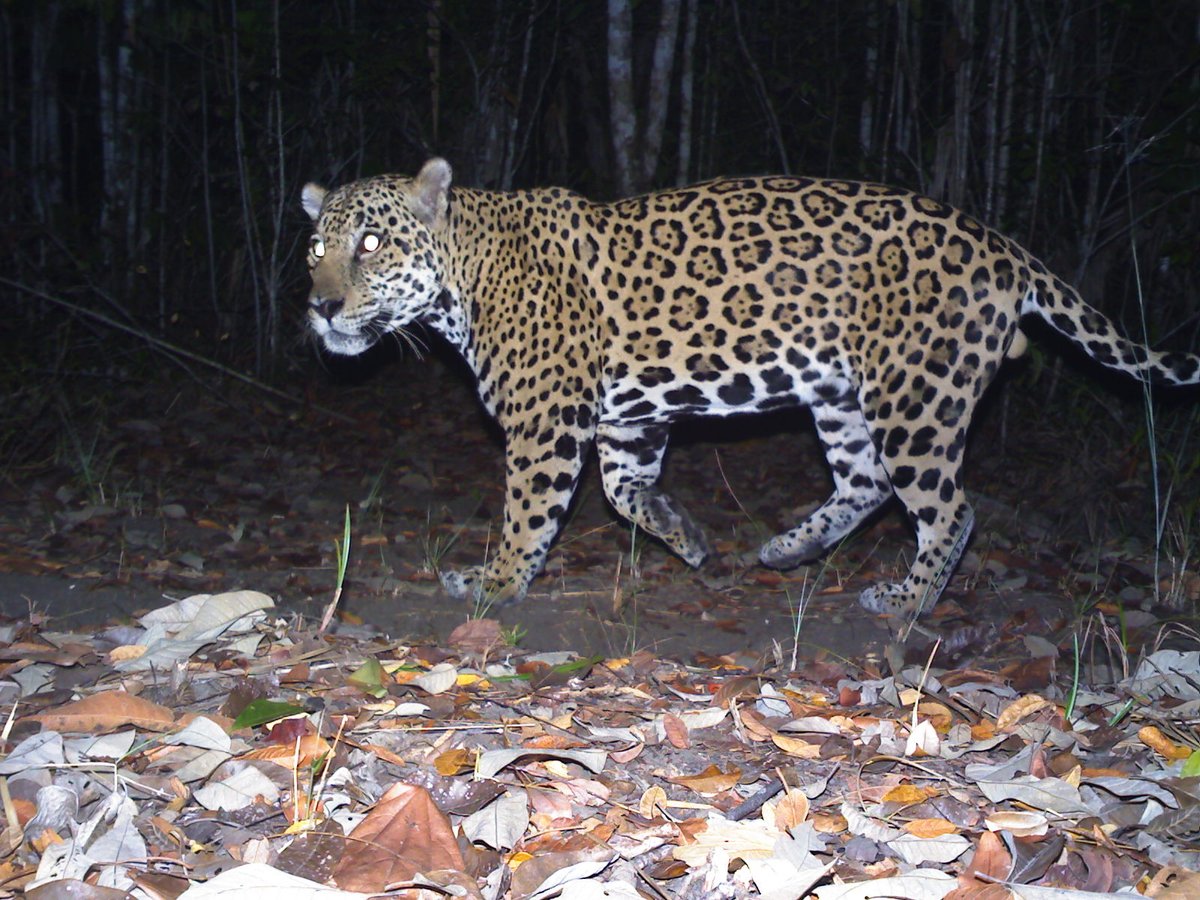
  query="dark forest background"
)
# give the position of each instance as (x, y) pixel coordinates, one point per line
(152, 151)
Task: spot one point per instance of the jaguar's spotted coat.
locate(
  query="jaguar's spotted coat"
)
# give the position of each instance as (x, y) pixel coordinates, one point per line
(886, 312)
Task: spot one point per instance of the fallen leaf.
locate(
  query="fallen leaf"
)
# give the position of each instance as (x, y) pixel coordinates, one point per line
(796, 747)
(403, 834)
(930, 828)
(711, 781)
(1020, 709)
(1153, 738)
(906, 794)
(676, 731)
(106, 711)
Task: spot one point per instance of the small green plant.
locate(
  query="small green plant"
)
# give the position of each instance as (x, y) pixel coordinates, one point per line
(513, 636)
(375, 491)
(342, 552)
(90, 462)
(1069, 707)
(435, 546)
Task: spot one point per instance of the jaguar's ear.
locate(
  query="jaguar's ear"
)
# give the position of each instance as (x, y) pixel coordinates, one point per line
(311, 199)
(430, 192)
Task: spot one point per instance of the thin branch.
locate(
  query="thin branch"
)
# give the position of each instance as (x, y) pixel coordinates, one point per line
(172, 349)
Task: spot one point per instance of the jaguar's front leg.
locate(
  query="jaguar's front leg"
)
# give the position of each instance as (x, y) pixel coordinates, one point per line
(543, 462)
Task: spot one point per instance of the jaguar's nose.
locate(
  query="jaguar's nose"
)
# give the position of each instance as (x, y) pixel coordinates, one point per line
(326, 309)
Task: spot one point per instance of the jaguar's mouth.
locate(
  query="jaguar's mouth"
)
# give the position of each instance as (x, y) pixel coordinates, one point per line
(347, 344)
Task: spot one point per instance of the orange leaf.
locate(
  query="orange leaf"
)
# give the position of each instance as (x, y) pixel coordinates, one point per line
(981, 731)
(454, 762)
(106, 711)
(829, 823)
(312, 748)
(711, 781)
(1161, 744)
(791, 810)
(404, 834)
(930, 828)
(906, 793)
(1019, 709)
(796, 747)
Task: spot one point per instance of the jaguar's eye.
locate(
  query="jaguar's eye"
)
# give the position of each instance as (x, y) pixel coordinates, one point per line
(317, 246)
(370, 243)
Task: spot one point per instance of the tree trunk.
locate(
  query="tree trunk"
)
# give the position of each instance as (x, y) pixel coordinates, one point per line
(621, 112)
(660, 89)
(687, 79)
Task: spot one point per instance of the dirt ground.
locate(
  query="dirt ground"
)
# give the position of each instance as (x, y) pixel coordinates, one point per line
(178, 489)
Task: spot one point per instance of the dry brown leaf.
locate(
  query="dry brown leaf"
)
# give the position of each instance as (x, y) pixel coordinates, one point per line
(1161, 744)
(454, 762)
(1174, 883)
(126, 652)
(312, 747)
(752, 724)
(791, 810)
(477, 636)
(553, 742)
(628, 755)
(106, 711)
(907, 793)
(981, 731)
(734, 688)
(711, 781)
(930, 828)
(382, 752)
(652, 798)
(1019, 709)
(972, 889)
(405, 833)
(676, 731)
(991, 858)
(937, 713)
(829, 823)
(796, 747)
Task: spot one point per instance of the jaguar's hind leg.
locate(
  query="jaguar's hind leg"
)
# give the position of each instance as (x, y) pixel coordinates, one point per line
(940, 544)
(860, 486)
(630, 463)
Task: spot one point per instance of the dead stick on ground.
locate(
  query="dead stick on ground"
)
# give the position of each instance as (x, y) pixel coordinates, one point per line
(173, 349)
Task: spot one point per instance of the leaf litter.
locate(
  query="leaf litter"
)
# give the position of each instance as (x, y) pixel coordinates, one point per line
(219, 750)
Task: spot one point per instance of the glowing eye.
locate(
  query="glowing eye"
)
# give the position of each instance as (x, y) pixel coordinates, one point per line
(370, 243)
(317, 247)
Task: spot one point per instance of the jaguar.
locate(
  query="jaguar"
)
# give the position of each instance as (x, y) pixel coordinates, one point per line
(886, 312)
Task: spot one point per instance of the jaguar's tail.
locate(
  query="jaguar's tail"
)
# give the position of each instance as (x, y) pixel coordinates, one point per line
(1062, 307)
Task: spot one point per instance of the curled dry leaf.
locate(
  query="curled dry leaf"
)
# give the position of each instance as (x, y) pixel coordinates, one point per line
(1018, 823)
(1019, 709)
(652, 799)
(1153, 738)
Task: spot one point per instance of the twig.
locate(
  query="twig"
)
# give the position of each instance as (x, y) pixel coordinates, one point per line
(754, 802)
(173, 349)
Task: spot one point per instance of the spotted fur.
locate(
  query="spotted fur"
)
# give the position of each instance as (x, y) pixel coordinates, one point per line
(886, 312)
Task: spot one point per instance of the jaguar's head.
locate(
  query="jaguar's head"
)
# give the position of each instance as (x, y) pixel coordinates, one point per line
(373, 255)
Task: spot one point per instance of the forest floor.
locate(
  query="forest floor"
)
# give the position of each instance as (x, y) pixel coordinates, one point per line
(642, 698)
